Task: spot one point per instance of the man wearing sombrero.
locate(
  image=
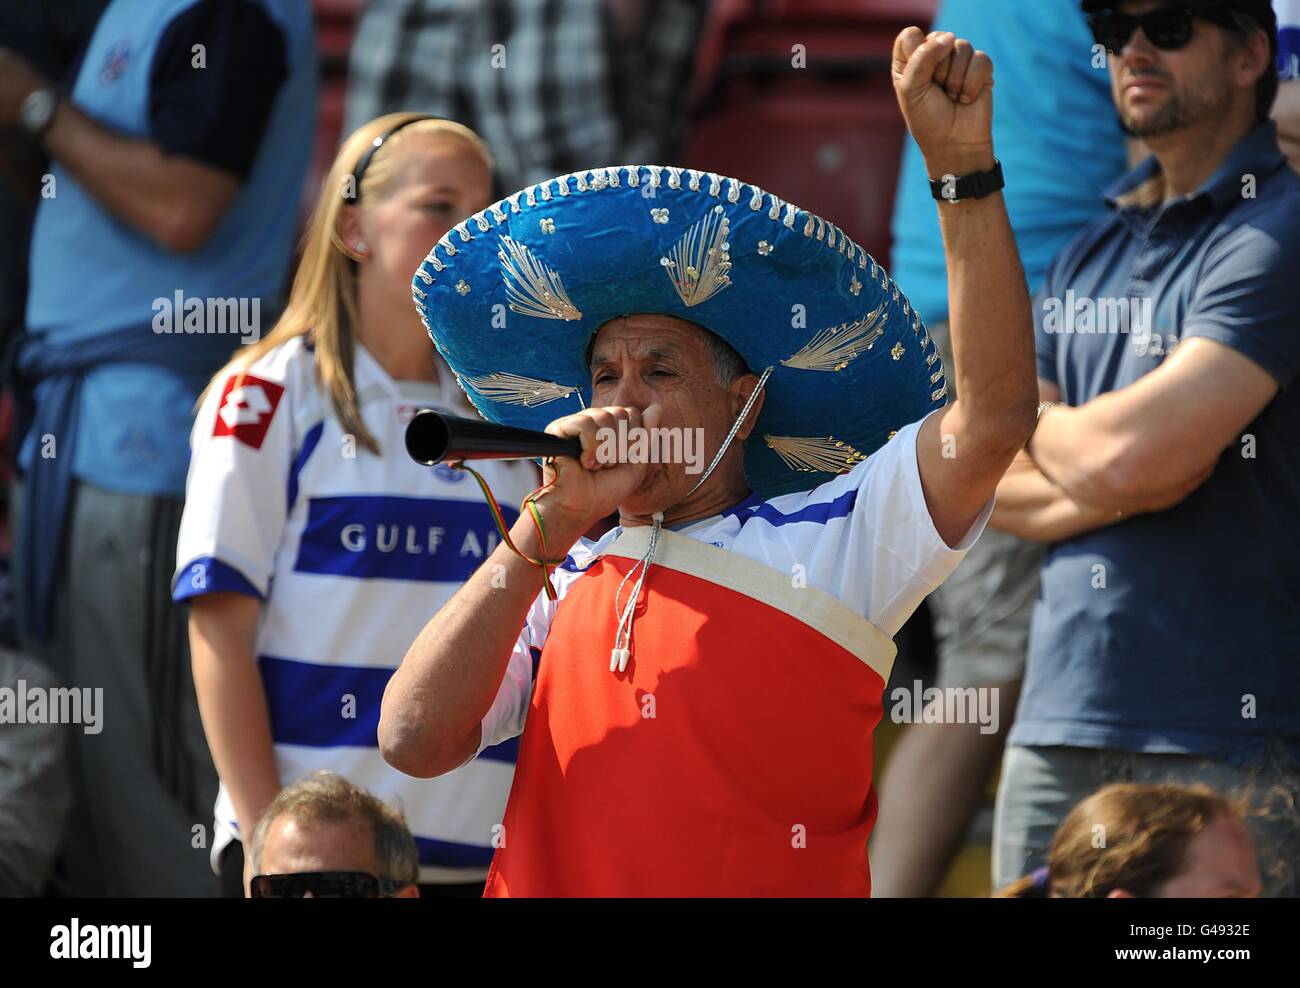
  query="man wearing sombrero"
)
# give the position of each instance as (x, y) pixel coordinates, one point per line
(700, 685)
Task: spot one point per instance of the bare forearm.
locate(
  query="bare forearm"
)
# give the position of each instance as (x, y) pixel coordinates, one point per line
(452, 672)
(1075, 450)
(1097, 455)
(159, 195)
(232, 703)
(1032, 507)
(964, 451)
(989, 313)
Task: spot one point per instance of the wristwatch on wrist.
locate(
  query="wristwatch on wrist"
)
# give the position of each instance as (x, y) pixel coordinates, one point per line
(951, 188)
(37, 111)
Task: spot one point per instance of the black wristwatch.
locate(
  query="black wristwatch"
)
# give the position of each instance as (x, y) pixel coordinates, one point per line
(951, 188)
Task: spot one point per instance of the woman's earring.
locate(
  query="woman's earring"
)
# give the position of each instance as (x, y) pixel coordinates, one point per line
(361, 247)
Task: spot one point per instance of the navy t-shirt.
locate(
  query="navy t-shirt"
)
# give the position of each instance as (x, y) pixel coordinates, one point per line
(1179, 631)
(217, 113)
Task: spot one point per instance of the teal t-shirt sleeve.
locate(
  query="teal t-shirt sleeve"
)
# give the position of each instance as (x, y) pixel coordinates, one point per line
(1246, 298)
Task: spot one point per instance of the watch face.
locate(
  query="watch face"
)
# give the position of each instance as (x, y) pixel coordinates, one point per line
(37, 110)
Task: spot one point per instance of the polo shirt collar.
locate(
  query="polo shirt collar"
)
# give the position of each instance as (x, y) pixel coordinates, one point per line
(1257, 153)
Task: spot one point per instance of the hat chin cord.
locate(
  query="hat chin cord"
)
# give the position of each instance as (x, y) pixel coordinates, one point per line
(622, 650)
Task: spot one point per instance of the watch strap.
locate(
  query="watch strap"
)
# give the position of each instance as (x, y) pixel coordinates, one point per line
(977, 185)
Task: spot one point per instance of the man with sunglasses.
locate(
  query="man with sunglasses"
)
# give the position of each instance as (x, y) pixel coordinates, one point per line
(1164, 472)
(326, 838)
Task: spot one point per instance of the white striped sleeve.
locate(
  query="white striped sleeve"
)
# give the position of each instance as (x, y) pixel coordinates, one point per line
(505, 718)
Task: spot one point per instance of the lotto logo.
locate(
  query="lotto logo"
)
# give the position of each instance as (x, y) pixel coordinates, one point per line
(247, 407)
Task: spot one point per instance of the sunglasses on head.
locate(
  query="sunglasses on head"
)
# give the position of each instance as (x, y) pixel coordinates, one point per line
(1168, 28)
(323, 885)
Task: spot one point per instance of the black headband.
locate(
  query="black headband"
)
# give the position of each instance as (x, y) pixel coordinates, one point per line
(353, 194)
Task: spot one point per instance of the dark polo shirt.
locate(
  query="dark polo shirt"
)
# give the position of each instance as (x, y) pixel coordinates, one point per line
(1179, 631)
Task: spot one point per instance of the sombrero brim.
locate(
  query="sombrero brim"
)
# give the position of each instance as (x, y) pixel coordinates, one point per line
(513, 295)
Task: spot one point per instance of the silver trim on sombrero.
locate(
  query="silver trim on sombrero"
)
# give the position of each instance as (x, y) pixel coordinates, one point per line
(832, 349)
(533, 287)
(701, 259)
(514, 389)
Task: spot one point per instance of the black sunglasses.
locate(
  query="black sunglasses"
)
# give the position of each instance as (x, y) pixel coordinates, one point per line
(1168, 28)
(323, 885)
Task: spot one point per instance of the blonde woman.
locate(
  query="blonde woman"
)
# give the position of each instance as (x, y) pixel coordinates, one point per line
(312, 547)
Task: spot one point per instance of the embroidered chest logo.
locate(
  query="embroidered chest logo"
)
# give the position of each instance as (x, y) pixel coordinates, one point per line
(115, 63)
(247, 406)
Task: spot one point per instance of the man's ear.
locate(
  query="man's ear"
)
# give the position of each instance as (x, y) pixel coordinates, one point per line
(1256, 59)
(739, 391)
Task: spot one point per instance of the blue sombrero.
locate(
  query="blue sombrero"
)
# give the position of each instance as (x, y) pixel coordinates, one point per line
(513, 295)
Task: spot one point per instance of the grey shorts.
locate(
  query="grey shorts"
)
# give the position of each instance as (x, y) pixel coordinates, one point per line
(982, 611)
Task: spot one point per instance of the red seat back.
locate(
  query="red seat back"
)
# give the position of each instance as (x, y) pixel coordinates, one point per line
(827, 136)
(336, 23)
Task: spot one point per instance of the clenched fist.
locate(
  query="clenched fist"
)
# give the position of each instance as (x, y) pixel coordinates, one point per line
(945, 90)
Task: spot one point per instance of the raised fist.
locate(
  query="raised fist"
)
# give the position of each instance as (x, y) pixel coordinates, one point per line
(945, 90)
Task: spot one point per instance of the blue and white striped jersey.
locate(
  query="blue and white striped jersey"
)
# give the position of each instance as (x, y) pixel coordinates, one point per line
(351, 553)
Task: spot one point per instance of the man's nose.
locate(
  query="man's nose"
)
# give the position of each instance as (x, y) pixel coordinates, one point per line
(632, 392)
(1138, 47)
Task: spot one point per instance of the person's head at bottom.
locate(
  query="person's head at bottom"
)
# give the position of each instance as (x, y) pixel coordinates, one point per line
(1147, 840)
(323, 837)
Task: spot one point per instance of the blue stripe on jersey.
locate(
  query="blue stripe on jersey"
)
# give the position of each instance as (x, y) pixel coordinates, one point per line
(819, 513)
(397, 538)
(744, 508)
(309, 442)
(306, 702)
(449, 854)
(506, 751)
(208, 574)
